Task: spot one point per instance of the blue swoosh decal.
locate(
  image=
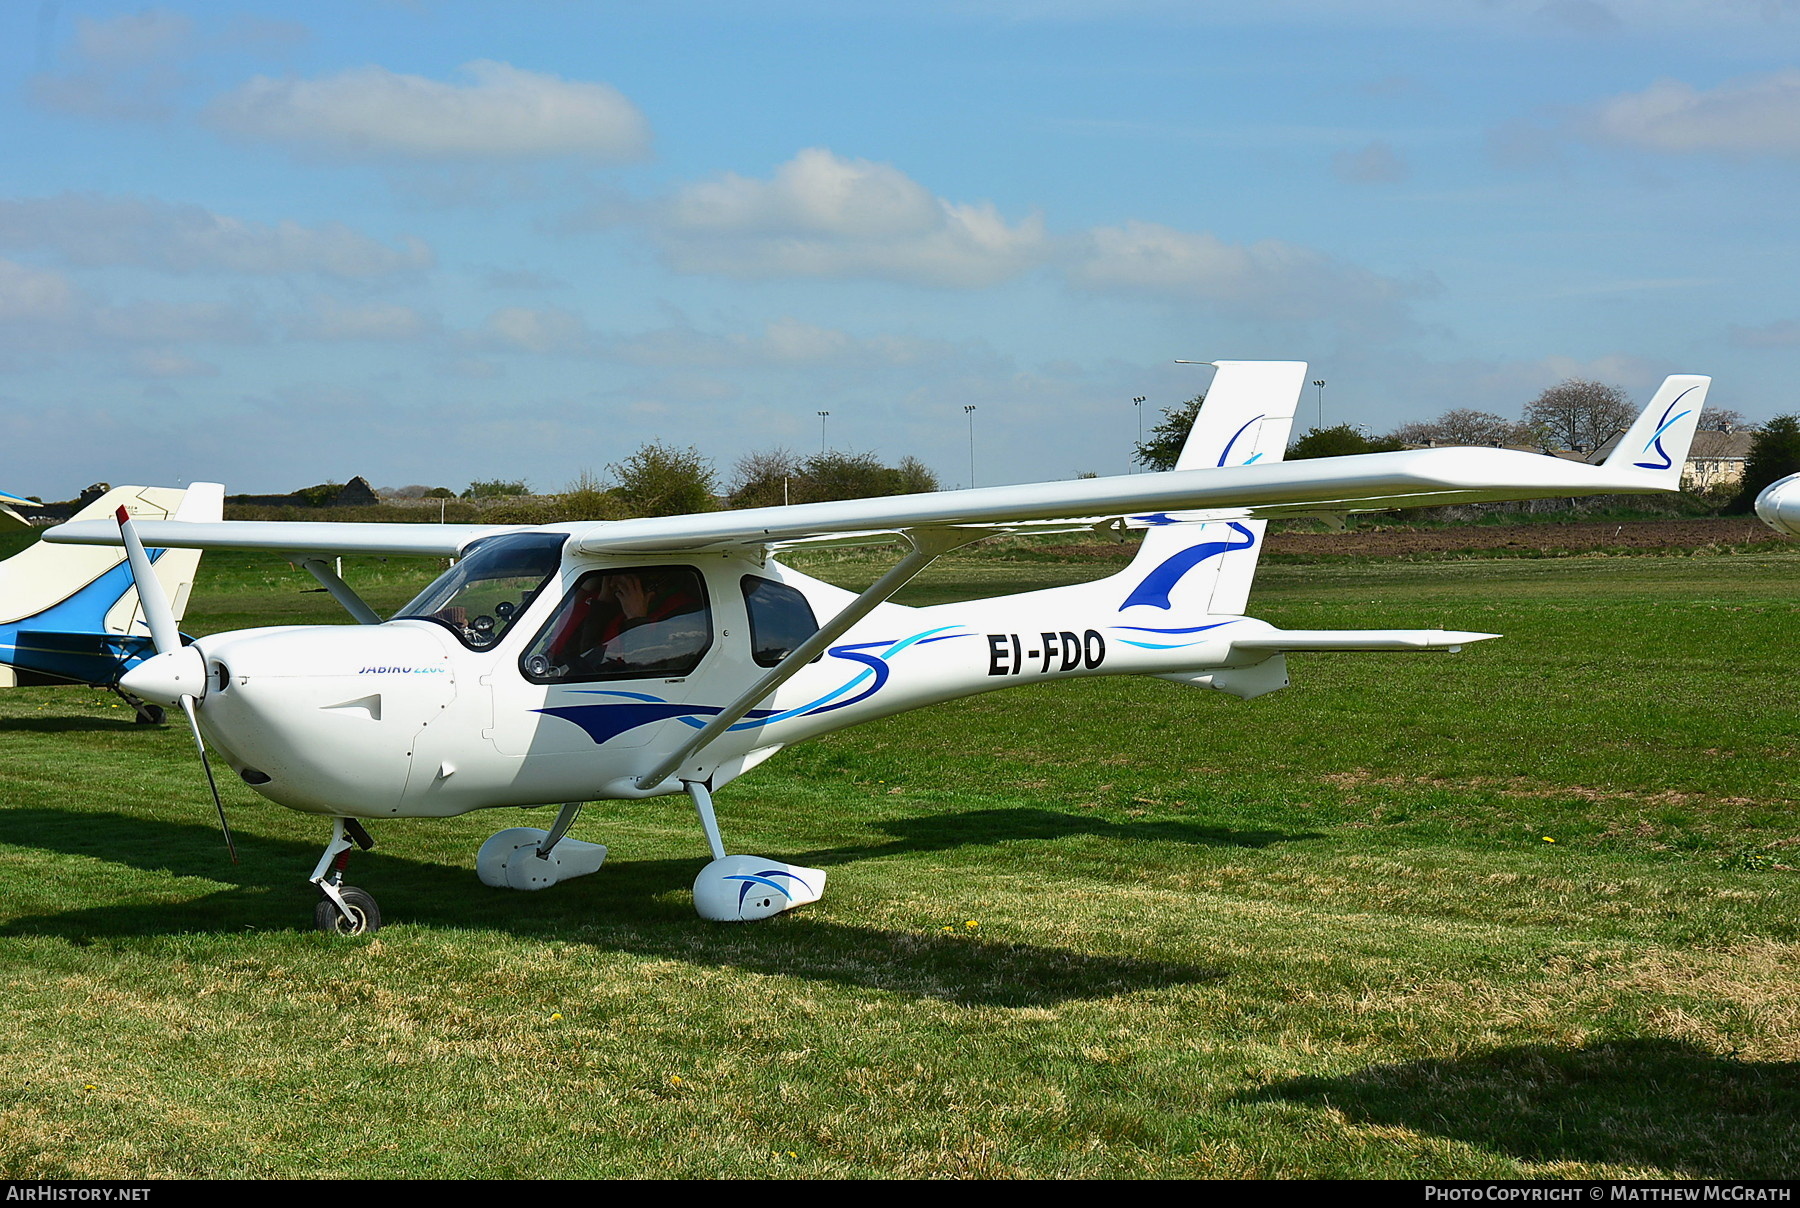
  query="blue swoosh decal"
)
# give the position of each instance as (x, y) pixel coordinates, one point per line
(1234, 437)
(1156, 586)
(1664, 426)
(607, 721)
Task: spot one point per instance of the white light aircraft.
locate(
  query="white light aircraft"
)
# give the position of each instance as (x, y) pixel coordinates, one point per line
(636, 658)
(1778, 505)
(71, 616)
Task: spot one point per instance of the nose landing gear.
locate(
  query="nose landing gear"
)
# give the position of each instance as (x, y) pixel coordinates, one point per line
(345, 910)
(348, 912)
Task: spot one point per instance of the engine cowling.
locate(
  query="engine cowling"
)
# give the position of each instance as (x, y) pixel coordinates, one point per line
(1779, 505)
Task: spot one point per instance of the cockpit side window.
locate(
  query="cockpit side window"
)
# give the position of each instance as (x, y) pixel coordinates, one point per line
(780, 619)
(496, 580)
(624, 623)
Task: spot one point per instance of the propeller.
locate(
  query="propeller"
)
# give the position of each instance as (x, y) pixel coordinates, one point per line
(179, 678)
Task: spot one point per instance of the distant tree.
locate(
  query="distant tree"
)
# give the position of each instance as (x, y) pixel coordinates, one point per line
(586, 498)
(1340, 441)
(916, 478)
(1163, 448)
(843, 475)
(764, 479)
(1724, 419)
(1775, 453)
(495, 489)
(1463, 426)
(1580, 413)
(439, 493)
(777, 476)
(661, 480)
(323, 495)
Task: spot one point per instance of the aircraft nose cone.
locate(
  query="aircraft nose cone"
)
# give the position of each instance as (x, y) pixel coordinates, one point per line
(166, 678)
(1779, 505)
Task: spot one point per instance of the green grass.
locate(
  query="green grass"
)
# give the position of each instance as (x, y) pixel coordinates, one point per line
(1525, 911)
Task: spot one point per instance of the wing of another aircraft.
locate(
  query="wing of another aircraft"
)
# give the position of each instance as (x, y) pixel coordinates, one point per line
(10, 519)
(1647, 459)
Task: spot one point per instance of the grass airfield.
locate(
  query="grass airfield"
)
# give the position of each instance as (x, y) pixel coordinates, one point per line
(1522, 912)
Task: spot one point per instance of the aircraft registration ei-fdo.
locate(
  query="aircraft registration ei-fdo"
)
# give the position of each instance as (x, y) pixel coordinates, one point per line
(628, 659)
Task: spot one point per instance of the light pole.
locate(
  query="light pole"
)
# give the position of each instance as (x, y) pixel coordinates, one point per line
(1138, 406)
(1320, 383)
(822, 415)
(970, 412)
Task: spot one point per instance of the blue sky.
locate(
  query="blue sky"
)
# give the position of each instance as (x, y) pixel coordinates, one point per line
(275, 244)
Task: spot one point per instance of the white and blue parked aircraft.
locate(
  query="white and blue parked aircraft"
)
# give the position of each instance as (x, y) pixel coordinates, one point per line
(1778, 505)
(635, 658)
(71, 615)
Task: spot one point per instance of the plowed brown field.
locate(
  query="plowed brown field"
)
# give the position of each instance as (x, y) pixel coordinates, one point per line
(1675, 534)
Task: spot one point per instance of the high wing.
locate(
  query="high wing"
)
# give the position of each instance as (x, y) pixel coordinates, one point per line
(1647, 459)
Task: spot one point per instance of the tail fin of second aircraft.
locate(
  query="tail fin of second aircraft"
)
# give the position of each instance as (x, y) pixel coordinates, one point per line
(1657, 441)
(1189, 569)
(70, 613)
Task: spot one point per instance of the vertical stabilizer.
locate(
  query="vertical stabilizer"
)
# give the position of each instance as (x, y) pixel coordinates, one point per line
(1196, 569)
(71, 612)
(1657, 442)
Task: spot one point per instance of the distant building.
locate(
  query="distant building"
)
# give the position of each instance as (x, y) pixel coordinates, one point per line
(1715, 459)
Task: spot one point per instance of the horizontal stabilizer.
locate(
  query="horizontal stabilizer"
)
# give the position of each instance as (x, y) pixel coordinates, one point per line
(1288, 640)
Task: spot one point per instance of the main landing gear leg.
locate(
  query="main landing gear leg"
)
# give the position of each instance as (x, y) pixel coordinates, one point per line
(146, 714)
(524, 857)
(346, 910)
(738, 889)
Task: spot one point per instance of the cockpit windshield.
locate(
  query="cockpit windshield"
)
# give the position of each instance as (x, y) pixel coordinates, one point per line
(480, 597)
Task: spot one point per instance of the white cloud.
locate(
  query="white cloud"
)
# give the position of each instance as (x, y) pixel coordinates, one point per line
(162, 363)
(135, 38)
(1268, 279)
(789, 343)
(157, 322)
(331, 319)
(34, 294)
(522, 329)
(503, 113)
(821, 215)
(1377, 163)
(1784, 333)
(126, 67)
(91, 231)
(1753, 115)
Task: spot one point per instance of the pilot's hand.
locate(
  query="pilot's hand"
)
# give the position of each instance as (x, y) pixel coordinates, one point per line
(634, 601)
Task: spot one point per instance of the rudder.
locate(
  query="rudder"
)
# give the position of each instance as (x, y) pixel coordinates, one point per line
(1189, 569)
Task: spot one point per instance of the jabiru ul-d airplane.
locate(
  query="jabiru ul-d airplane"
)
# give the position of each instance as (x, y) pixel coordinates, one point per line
(555, 665)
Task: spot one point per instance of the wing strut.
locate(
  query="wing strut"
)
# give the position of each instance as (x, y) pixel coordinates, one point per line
(927, 544)
(341, 591)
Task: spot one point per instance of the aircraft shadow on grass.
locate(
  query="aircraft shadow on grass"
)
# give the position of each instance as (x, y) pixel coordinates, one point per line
(941, 832)
(632, 906)
(121, 724)
(1650, 1102)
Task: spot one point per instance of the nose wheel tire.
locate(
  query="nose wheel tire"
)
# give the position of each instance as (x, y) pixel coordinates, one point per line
(364, 915)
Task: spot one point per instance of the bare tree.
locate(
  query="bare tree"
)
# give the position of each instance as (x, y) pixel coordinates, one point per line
(1463, 426)
(1580, 413)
